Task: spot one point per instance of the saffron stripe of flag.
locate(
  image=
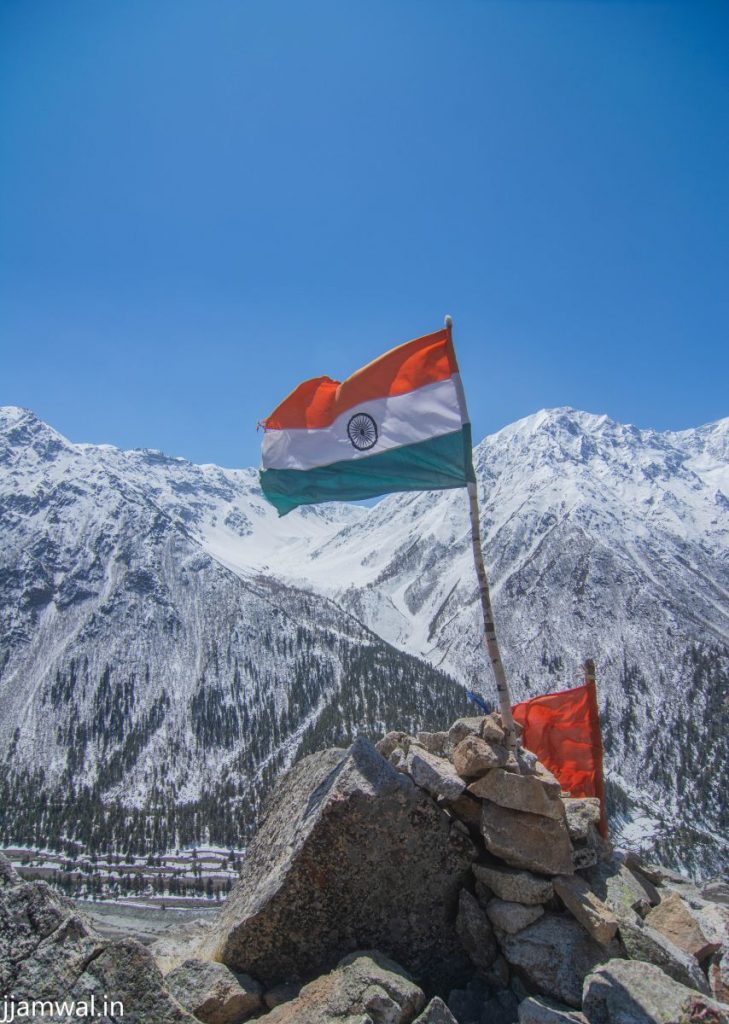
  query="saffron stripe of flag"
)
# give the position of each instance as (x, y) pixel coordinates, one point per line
(398, 424)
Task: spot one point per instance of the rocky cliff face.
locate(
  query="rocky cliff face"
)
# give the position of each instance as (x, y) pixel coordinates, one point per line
(167, 644)
(440, 878)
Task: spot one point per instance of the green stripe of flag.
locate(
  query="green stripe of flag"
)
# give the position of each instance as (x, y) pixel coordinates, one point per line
(439, 463)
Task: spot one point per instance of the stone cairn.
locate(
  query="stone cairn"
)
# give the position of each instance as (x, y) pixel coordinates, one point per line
(436, 879)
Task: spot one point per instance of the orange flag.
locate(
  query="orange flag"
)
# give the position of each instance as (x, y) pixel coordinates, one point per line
(563, 730)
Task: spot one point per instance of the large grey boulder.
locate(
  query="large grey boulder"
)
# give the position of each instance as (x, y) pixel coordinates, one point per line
(213, 993)
(514, 885)
(50, 951)
(526, 840)
(628, 992)
(365, 988)
(554, 955)
(351, 855)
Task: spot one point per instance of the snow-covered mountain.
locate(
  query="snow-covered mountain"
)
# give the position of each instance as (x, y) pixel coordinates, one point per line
(147, 692)
(602, 540)
(136, 589)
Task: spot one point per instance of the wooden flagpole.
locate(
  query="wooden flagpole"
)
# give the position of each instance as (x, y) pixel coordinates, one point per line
(588, 670)
(492, 644)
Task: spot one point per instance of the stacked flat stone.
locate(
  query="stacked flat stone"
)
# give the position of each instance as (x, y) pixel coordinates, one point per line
(551, 902)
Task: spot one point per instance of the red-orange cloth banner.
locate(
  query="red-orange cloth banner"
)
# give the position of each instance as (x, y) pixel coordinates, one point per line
(563, 730)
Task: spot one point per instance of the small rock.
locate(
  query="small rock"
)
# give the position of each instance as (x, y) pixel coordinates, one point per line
(436, 1012)
(550, 782)
(389, 742)
(512, 917)
(434, 774)
(636, 864)
(595, 917)
(213, 993)
(519, 793)
(716, 890)
(526, 840)
(491, 730)
(512, 884)
(434, 742)
(539, 1010)
(475, 932)
(463, 727)
(473, 757)
(627, 992)
(674, 919)
(554, 955)
(617, 886)
(584, 854)
(364, 986)
(583, 814)
(527, 761)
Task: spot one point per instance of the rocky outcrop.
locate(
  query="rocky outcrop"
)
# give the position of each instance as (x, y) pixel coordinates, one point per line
(439, 865)
(50, 952)
(628, 992)
(351, 855)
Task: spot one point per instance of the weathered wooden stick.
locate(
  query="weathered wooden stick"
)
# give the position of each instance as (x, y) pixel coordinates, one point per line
(492, 644)
(588, 670)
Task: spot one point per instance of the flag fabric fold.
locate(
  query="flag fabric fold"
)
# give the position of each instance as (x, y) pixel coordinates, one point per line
(398, 424)
(563, 730)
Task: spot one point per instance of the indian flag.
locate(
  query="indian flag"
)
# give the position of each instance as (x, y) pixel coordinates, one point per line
(398, 424)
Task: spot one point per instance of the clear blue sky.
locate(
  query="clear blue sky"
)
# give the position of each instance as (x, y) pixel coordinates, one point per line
(203, 202)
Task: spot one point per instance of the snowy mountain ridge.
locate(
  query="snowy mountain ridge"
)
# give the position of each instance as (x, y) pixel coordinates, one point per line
(178, 633)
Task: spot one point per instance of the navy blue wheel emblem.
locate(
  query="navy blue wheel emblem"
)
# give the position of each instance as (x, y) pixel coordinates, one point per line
(362, 431)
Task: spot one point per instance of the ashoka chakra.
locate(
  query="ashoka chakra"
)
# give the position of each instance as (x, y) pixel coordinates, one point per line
(362, 431)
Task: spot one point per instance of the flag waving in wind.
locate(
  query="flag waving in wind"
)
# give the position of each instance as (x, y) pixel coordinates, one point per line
(398, 424)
